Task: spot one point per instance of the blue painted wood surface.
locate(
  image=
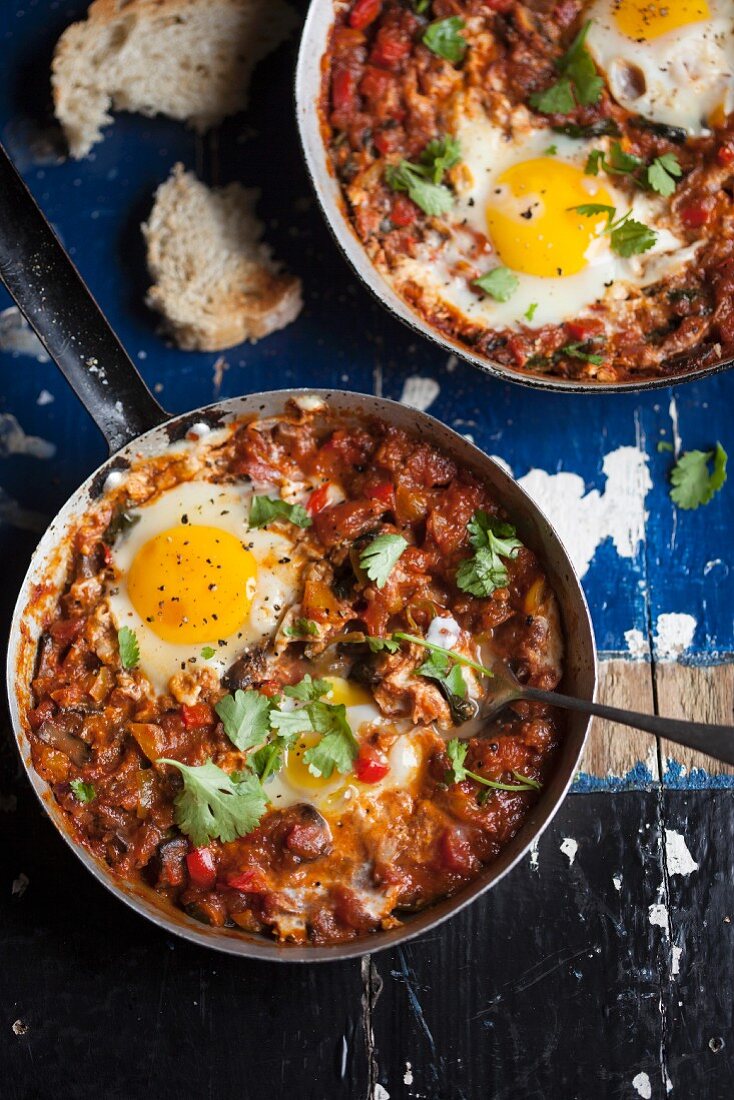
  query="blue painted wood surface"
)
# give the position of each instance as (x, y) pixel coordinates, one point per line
(343, 338)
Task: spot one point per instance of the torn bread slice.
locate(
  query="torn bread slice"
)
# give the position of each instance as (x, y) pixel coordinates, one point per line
(189, 59)
(214, 281)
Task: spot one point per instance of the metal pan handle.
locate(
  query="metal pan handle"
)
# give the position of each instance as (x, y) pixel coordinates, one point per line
(57, 304)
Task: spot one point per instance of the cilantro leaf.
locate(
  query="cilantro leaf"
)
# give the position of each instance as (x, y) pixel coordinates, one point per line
(301, 628)
(556, 100)
(380, 557)
(422, 181)
(664, 445)
(83, 792)
(245, 717)
(268, 760)
(307, 690)
(292, 723)
(337, 749)
(591, 209)
(630, 237)
(500, 283)
(551, 151)
(493, 539)
(530, 311)
(265, 510)
(457, 772)
(577, 351)
(129, 649)
(443, 38)
(212, 805)
(207, 653)
(580, 84)
(459, 658)
(378, 644)
(663, 173)
(693, 483)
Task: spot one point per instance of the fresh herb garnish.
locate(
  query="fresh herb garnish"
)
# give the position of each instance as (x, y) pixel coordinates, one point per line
(660, 175)
(83, 792)
(581, 351)
(457, 773)
(550, 151)
(500, 283)
(214, 805)
(307, 690)
(129, 648)
(264, 510)
(380, 557)
(422, 181)
(664, 445)
(693, 483)
(245, 717)
(493, 540)
(438, 666)
(530, 311)
(207, 653)
(337, 749)
(459, 658)
(268, 760)
(445, 39)
(627, 236)
(302, 628)
(580, 84)
(377, 645)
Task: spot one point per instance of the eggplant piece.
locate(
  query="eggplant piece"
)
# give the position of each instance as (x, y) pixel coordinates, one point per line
(52, 733)
(247, 671)
(604, 127)
(676, 134)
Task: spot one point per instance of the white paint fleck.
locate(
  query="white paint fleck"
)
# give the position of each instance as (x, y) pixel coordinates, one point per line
(14, 441)
(20, 885)
(675, 963)
(673, 634)
(534, 855)
(673, 413)
(713, 564)
(658, 915)
(585, 520)
(677, 857)
(637, 643)
(641, 1084)
(617, 881)
(419, 393)
(45, 398)
(18, 338)
(668, 1082)
(452, 363)
(408, 1075)
(20, 1027)
(380, 1093)
(569, 847)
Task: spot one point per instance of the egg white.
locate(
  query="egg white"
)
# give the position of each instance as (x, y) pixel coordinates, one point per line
(227, 508)
(680, 78)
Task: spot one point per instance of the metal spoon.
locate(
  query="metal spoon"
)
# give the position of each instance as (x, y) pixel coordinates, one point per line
(716, 741)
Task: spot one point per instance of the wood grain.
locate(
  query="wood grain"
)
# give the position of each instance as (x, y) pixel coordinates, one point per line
(703, 693)
(612, 749)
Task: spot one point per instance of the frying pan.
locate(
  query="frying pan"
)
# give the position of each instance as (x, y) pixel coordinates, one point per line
(309, 77)
(51, 294)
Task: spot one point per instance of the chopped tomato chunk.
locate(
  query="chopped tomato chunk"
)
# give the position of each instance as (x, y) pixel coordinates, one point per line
(403, 211)
(725, 154)
(251, 881)
(202, 868)
(363, 13)
(383, 491)
(584, 329)
(343, 90)
(371, 765)
(198, 714)
(391, 47)
(455, 851)
(695, 214)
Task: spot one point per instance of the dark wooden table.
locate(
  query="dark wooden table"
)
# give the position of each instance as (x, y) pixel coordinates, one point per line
(603, 966)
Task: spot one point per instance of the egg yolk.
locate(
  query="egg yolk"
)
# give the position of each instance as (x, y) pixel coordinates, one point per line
(530, 222)
(192, 583)
(644, 20)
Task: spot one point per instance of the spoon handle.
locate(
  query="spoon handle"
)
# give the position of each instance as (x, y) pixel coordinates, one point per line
(717, 741)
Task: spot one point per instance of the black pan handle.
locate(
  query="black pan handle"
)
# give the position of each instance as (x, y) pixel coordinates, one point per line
(57, 304)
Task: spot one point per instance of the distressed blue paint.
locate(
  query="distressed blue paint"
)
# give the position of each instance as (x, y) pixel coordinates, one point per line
(698, 779)
(343, 338)
(638, 778)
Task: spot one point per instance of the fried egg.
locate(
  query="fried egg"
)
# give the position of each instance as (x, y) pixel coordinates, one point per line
(671, 61)
(192, 577)
(514, 208)
(295, 783)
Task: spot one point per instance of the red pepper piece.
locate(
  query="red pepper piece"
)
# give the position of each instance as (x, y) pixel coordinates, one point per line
(250, 881)
(579, 331)
(695, 214)
(343, 90)
(198, 714)
(371, 765)
(455, 851)
(725, 154)
(319, 499)
(363, 13)
(391, 47)
(383, 491)
(403, 211)
(202, 868)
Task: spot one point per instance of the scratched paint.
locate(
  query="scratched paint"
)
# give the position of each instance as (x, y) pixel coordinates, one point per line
(642, 1085)
(674, 633)
(419, 393)
(678, 859)
(14, 441)
(18, 338)
(569, 847)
